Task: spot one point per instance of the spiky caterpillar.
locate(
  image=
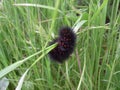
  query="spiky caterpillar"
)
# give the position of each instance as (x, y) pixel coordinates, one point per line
(66, 44)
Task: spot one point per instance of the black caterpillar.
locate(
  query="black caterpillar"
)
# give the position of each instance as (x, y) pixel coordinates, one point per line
(66, 44)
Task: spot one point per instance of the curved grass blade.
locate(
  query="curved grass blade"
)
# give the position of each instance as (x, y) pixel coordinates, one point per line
(37, 5)
(10, 68)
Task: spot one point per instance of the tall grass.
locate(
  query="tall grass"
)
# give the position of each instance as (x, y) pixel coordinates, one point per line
(26, 28)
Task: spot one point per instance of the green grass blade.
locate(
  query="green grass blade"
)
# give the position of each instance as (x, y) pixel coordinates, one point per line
(10, 68)
(20, 83)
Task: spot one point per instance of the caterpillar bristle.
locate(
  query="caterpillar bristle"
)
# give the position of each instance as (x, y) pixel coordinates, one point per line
(66, 44)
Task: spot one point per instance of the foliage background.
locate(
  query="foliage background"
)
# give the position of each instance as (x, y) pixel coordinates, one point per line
(26, 27)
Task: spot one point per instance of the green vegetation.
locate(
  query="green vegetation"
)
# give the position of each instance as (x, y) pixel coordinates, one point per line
(26, 28)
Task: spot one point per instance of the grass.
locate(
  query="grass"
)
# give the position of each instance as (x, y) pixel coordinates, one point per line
(27, 26)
